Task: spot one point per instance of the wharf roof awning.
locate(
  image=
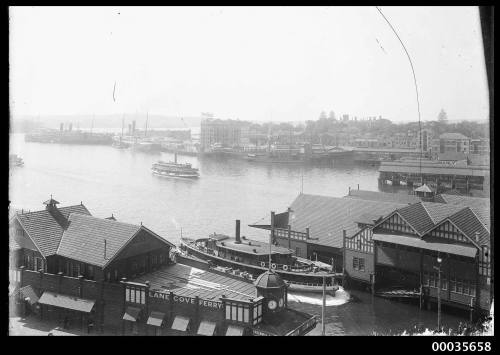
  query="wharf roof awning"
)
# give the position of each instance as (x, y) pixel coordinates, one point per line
(206, 328)
(434, 244)
(180, 323)
(65, 301)
(27, 293)
(234, 330)
(131, 314)
(156, 319)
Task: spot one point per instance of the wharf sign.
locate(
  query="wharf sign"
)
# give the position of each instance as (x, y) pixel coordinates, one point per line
(185, 300)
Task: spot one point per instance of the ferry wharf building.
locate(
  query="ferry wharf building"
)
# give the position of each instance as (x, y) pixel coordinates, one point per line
(109, 277)
(388, 241)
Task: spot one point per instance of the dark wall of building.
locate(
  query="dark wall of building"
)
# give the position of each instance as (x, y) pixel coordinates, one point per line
(298, 246)
(362, 275)
(325, 254)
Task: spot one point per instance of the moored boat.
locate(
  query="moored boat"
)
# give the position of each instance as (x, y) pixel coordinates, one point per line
(254, 257)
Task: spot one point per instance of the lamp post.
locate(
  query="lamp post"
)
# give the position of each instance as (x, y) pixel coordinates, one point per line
(439, 260)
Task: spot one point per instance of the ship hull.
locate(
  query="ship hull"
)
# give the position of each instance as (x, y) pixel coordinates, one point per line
(300, 281)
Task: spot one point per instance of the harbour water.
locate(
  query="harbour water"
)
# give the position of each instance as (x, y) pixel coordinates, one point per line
(119, 182)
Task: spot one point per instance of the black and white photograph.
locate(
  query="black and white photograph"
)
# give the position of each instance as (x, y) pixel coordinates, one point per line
(251, 171)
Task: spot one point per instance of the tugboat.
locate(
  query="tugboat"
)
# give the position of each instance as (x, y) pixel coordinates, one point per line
(246, 256)
(175, 170)
(15, 160)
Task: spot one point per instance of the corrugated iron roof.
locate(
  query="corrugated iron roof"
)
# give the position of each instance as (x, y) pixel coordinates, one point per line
(84, 238)
(432, 170)
(43, 228)
(383, 196)
(327, 216)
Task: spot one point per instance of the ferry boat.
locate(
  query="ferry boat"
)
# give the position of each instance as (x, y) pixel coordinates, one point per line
(175, 170)
(251, 256)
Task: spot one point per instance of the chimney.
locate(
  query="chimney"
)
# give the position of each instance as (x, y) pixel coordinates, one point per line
(349, 193)
(477, 236)
(105, 244)
(358, 186)
(307, 233)
(56, 214)
(238, 240)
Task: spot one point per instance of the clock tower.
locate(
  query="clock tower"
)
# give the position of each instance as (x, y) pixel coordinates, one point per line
(272, 287)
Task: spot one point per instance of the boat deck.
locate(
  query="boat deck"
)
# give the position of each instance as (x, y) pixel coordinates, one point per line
(189, 281)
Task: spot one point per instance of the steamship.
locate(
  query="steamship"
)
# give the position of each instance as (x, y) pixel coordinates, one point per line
(174, 170)
(244, 255)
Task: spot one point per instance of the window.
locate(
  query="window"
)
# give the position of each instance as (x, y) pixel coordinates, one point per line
(90, 272)
(355, 263)
(297, 251)
(361, 264)
(135, 295)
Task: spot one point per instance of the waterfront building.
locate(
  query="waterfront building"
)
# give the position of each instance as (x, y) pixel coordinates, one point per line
(118, 278)
(443, 176)
(314, 226)
(412, 243)
(451, 142)
(227, 133)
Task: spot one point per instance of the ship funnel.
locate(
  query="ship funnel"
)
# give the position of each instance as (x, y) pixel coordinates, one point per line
(238, 240)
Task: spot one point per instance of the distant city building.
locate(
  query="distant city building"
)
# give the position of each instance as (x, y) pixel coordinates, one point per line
(227, 133)
(479, 146)
(450, 142)
(424, 139)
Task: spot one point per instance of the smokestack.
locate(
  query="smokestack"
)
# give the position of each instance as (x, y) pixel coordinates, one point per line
(133, 127)
(238, 240)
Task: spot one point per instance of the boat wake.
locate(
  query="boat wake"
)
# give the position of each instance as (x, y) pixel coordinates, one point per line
(341, 297)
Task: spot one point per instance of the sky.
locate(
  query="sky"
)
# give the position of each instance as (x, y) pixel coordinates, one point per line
(249, 63)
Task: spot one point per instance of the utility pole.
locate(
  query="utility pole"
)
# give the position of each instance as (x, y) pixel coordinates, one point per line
(323, 308)
(439, 260)
(271, 237)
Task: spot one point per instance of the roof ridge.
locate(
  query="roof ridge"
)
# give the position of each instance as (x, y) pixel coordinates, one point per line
(479, 219)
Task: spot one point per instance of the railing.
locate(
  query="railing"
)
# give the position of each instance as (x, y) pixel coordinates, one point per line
(274, 266)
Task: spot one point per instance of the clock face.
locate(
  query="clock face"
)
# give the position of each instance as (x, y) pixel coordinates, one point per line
(281, 302)
(272, 305)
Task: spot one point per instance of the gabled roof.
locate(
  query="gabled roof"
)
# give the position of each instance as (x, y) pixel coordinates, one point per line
(383, 196)
(423, 188)
(480, 206)
(424, 216)
(44, 230)
(85, 236)
(327, 216)
(469, 224)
